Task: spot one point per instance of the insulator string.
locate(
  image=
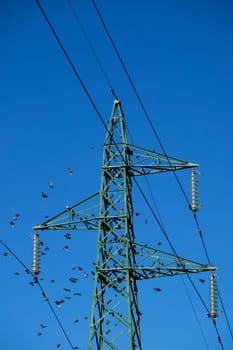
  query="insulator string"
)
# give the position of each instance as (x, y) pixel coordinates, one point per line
(36, 254)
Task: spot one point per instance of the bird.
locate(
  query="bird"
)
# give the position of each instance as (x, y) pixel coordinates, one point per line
(67, 289)
(15, 217)
(58, 345)
(70, 171)
(42, 325)
(44, 195)
(59, 302)
(201, 280)
(5, 254)
(75, 320)
(51, 184)
(66, 248)
(157, 289)
(85, 275)
(78, 294)
(39, 334)
(12, 224)
(92, 147)
(159, 243)
(73, 279)
(67, 235)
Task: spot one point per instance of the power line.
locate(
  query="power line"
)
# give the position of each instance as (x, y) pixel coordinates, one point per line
(74, 11)
(103, 123)
(28, 270)
(160, 143)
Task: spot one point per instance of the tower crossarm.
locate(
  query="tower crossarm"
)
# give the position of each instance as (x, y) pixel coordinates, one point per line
(153, 263)
(143, 162)
(81, 216)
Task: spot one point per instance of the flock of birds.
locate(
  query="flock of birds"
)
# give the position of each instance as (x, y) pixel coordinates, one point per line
(68, 290)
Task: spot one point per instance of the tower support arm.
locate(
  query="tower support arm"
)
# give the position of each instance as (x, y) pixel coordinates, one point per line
(143, 162)
(81, 216)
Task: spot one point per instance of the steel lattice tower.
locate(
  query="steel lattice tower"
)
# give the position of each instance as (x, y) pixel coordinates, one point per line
(120, 262)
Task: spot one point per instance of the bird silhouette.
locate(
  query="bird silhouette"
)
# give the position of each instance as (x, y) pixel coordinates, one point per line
(70, 171)
(51, 184)
(44, 195)
(67, 235)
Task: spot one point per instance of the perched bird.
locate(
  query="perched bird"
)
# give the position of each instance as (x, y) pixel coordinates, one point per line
(44, 195)
(70, 171)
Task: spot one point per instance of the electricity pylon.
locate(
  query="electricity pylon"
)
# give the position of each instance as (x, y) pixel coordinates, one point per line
(120, 262)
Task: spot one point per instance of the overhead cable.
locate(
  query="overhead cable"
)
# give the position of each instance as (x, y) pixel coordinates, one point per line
(102, 120)
(28, 270)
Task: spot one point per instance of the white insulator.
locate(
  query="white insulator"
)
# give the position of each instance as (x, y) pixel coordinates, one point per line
(213, 296)
(194, 191)
(36, 254)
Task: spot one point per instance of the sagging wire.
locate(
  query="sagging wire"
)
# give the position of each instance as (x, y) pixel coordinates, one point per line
(102, 120)
(193, 208)
(37, 282)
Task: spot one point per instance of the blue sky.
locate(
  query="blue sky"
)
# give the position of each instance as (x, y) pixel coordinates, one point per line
(180, 57)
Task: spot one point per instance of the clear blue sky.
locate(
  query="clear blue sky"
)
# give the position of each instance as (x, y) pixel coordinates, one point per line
(180, 57)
